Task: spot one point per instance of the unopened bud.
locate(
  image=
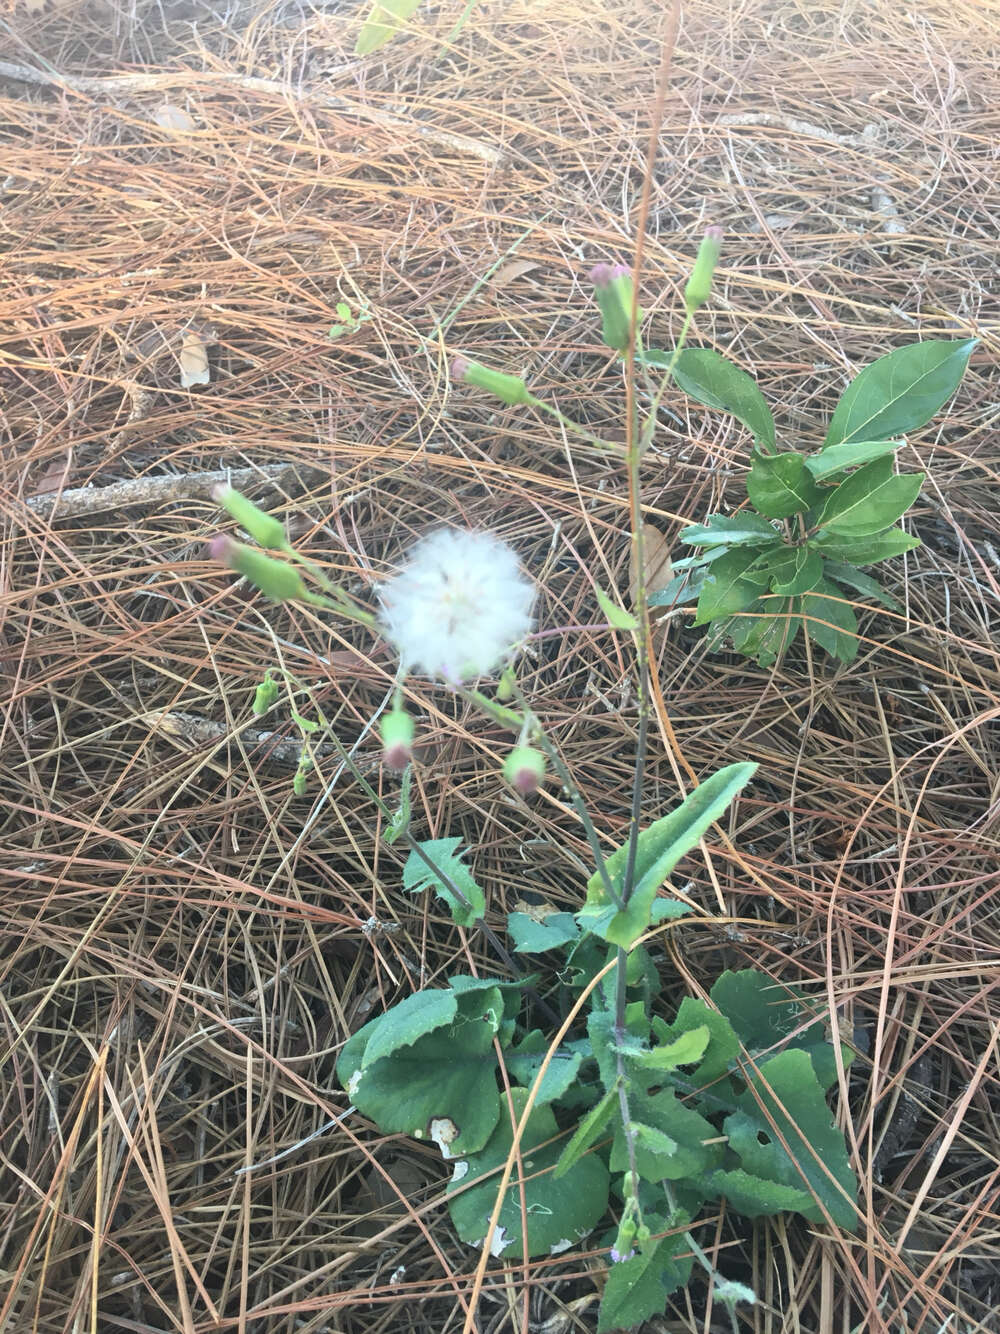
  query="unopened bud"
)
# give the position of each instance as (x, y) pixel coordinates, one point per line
(505, 690)
(263, 528)
(699, 285)
(397, 733)
(524, 769)
(510, 389)
(273, 577)
(613, 290)
(265, 695)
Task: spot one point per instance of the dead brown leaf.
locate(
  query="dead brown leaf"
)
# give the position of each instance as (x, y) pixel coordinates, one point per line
(193, 359)
(659, 570)
(516, 268)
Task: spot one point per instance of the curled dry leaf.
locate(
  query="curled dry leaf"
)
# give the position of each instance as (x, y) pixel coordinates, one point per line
(173, 118)
(516, 268)
(659, 570)
(193, 359)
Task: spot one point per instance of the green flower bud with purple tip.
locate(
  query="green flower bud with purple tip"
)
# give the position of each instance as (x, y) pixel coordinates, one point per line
(262, 527)
(524, 769)
(397, 733)
(699, 285)
(510, 389)
(273, 577)
(613, 290)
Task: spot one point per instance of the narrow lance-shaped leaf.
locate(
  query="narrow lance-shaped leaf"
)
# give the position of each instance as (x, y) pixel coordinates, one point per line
(837, 458)
(716, 382)
(730, 530)
(587, 1131)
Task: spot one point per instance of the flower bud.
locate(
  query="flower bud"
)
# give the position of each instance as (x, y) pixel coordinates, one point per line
(505, 690)
(397, 733)
(265, 695)
(699, 285)
(263, 528)
(510, 389)
(273, 577)
(613, 290)
(524, 769)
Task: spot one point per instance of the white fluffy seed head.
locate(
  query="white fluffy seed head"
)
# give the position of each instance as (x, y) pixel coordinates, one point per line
(459, 605)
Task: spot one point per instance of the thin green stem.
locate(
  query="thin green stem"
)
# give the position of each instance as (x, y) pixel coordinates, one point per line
(573, 427)
(649, 426)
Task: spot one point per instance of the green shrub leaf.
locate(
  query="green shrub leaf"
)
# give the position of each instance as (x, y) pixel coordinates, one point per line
(786, 1086)
(722, 530)
(659, 849)
(535, 936)
(899, 392)
(870, 500)
(780, 485)
(685, 1049)
(860, 583)
(792, 569)
(864, 550)
(830, 621)
(443, 852)
(730, 586)
(684, 1149)
(559, 1210)
(716, 382)
(525, 1060)
(762, 1013)
(837, 458)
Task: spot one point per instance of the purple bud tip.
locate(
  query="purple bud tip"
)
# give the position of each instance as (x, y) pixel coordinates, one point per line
(221, 548)
(713, 234)
(601, 274)
(526, 781)
(617, 1258)
(459, 368)
(621, 271)
(397, 757)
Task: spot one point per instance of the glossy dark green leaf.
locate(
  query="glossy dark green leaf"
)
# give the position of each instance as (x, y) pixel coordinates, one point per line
(900, 392)
(870, 500)
(780, 485)
(717, 383)
(847, 576)
(837, 458)
(830, 621)
(727, 588)
(792, 570)
(864, 550)
(730, 530)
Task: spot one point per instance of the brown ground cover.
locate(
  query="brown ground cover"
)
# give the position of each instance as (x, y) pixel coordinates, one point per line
(184, 944)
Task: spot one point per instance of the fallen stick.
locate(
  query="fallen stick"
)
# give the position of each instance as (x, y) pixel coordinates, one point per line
(84, 500)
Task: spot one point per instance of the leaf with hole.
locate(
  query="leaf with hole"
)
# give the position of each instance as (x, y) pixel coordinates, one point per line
(558, 1209)
(784, 1101)
(900, 392)
(780, 485)
(658, 850)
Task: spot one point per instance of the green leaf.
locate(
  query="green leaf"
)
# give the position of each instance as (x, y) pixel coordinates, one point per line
(344, 312)
(407, 1022)
(792, 569)
(730, 530)
(780, 485)
(382, 24)
(659, 849)
(728, 588)
(761, 1012)
(756, 1197)
(861, 583)
(532, 936)
(900, 392)
(837, 458)
(870, 500)
(684, 1150)
(864, 550)
(682, 588)
(763, 630)
(787, 1087)
(337, 330)
(443, 1086)
(638, 1288)
(559, 1211)
(417, 875)
(621, 620)
(830, 621)
(588, 1130)
(400, 822)
(525, 1060)
(685, 1049)
(716, 382)
(648, 1137)
(723, 1045)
